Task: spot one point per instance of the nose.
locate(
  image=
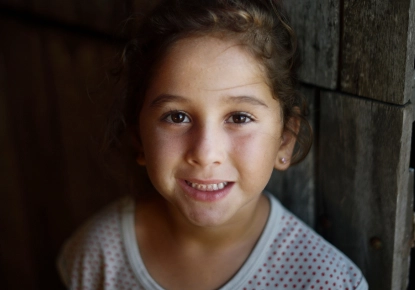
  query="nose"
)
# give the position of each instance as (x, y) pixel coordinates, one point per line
(206, 146)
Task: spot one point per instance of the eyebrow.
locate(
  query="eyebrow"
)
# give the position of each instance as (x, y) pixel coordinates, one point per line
(247, 99)
(167, 98)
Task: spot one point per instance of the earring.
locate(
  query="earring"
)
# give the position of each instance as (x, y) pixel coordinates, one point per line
(283, 160)
(140, 159)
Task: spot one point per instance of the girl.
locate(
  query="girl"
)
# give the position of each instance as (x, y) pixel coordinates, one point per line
(211, 104)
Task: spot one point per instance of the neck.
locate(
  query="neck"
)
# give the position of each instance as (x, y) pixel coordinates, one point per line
(245, 227)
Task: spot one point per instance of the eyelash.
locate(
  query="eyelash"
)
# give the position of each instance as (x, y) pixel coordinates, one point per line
(169, 115)
(243, 114)
(248, 117)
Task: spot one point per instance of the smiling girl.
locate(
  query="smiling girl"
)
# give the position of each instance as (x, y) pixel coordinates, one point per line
(211, 102)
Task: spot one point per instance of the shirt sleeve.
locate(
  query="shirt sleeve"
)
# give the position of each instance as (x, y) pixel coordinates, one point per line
(95, 256)
(80, 263)
(363, 284)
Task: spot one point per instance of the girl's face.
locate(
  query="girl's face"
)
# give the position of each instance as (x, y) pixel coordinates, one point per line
(211, 131)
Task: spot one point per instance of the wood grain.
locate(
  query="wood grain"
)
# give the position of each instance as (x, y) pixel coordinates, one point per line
(318, 30)
(295, 187)
(101, 16)
(363, 184)
(13, 218)
(378, 49)
(52, 175)
(52, 108)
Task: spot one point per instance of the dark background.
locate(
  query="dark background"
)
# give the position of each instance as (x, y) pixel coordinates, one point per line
(54, 98)
(55, 93)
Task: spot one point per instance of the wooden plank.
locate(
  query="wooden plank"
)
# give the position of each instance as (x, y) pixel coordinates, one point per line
(80, 62)
(409, 90)
(378, 49)
(403, 276)
(12, 210)
(36, 150)
(363, 184)
(411, 276)
(102, 16)
(54, 125)
(318, 30)
(295, 187)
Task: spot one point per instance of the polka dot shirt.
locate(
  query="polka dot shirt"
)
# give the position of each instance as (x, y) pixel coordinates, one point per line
(104, 254)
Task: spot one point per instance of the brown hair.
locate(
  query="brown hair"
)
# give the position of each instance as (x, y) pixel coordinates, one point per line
(259, 25)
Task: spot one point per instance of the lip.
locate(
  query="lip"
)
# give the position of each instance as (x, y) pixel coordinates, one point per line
(205, 196)
(210, 181)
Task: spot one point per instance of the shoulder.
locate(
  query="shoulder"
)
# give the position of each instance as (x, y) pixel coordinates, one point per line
(299, 258)
(95, 254)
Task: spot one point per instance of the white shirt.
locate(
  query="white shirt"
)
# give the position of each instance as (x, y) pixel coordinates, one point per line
(104, 254)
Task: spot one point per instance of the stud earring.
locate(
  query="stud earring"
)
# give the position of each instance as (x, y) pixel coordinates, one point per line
(140, 159)
(283, 160)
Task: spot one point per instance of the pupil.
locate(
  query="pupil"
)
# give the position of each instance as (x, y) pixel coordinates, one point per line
(239, 119)
(178, 118)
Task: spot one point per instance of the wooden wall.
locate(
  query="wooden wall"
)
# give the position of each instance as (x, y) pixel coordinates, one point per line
(359, 58)
(355, 187)
(53, 102)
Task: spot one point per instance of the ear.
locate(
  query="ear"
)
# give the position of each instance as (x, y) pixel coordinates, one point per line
(288, 139)
(141, 159)
(136, 143)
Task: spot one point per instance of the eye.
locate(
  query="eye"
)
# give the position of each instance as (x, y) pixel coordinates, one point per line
(240, 118)
(177, 117)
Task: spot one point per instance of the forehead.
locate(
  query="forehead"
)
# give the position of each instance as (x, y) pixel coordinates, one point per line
(208, 63)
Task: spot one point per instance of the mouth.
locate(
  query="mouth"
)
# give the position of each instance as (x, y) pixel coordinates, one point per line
(207, 187)
(206, 192)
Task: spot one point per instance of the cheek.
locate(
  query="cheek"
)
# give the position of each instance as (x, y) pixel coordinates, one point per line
(163, 153)
(256, 150)
(160, 148)
(162, 156)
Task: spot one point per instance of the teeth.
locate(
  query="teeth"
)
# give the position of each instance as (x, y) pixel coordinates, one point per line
(207, 187)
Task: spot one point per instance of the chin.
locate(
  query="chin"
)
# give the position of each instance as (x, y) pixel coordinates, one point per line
(207, 218)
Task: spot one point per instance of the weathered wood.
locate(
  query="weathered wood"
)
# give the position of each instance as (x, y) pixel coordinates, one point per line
(51, 123)
(295, 187)
(408, 223)
(12, 206)
(378, 49)
(102, 16)
(318, 30)
(363, 184)
(36, 153)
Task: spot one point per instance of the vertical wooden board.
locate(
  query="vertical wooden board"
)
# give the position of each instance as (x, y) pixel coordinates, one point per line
(378, 49)
(405, 214)
(295, 187)
(77, 68)
(53, 124)
(102, 16)
(318, 30)
(363, 177)
(15, 245)
(409, 91)
(32, 132)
